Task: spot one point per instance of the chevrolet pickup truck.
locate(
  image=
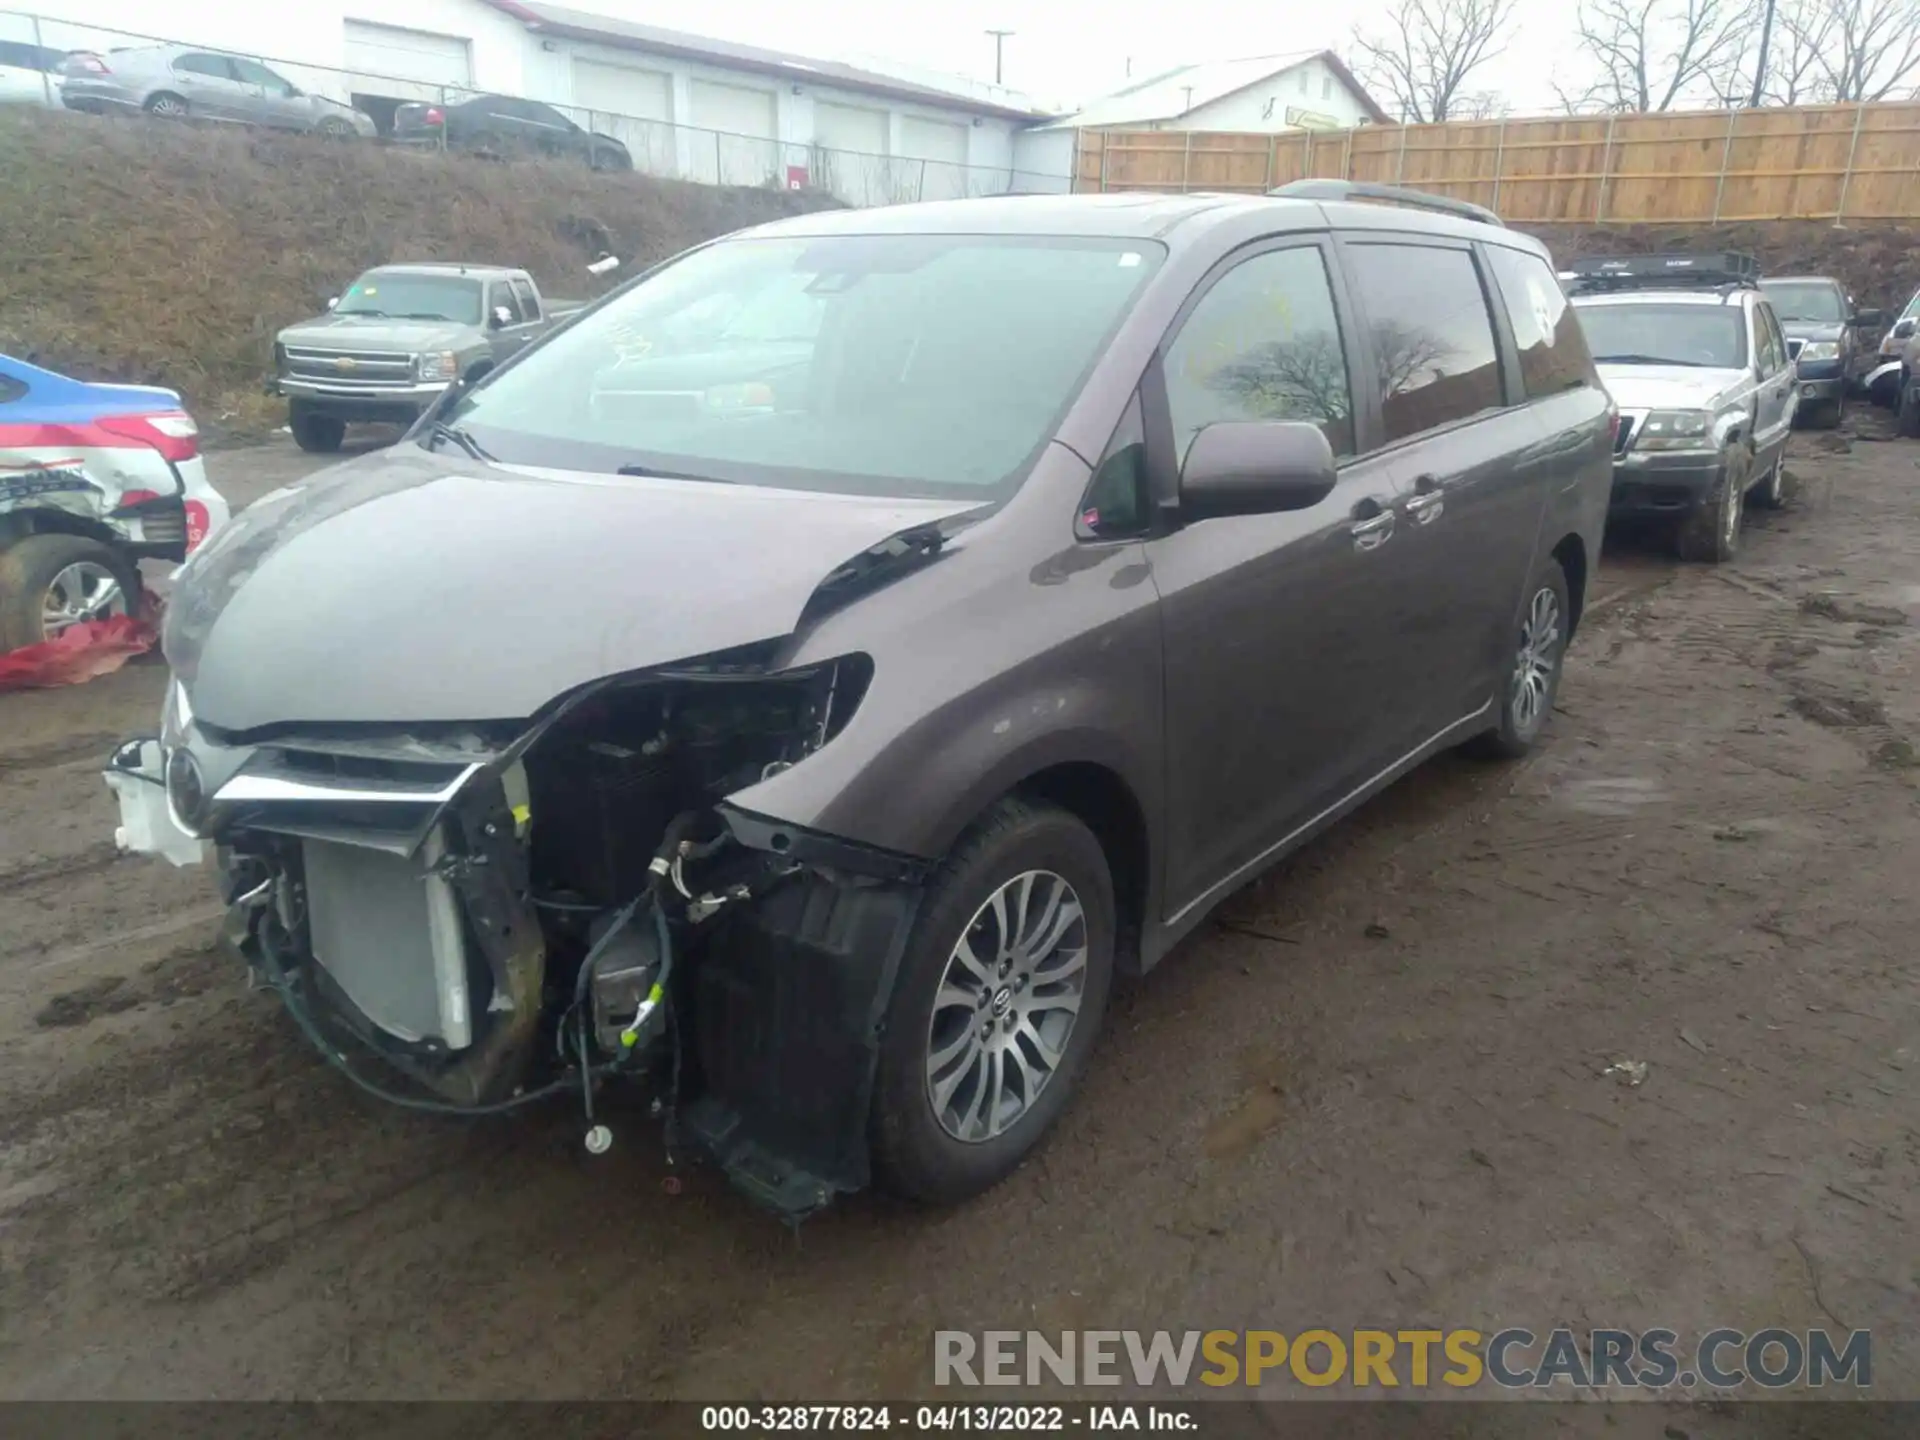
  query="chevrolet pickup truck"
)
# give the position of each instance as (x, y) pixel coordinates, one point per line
(397, 338)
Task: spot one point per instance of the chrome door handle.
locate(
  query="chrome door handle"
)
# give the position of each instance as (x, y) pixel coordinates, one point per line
(1372, 533)
(1427, 506)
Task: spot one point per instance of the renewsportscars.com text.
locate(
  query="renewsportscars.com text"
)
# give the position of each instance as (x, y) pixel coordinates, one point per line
(1512, 1359)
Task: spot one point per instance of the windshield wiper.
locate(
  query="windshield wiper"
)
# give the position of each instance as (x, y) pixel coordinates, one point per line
(366, 314)
(1643, 360)
(424, 315)
(443, 431)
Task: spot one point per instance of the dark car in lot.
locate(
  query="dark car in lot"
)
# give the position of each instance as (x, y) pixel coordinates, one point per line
(809, 678)
(1823, 340)
(502, 126)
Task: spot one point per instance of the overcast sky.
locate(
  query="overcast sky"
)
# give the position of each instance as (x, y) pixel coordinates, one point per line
(1065, 52)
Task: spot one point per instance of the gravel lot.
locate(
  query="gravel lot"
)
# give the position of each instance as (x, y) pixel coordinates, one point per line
(1374, 1092)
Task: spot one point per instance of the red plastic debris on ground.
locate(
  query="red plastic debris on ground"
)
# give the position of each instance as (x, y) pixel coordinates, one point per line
(82, 652)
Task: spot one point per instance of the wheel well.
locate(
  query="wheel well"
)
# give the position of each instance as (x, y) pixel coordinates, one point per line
(1102, 801)
(1571, 552)
(478, 369)
(22, 523)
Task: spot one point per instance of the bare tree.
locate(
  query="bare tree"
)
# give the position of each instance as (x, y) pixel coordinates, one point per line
(1862, 49)
(1793, 75)
(1426, 51)
(1655, 54)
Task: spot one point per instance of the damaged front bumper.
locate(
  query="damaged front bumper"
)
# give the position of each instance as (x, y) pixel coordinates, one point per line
(472, 922)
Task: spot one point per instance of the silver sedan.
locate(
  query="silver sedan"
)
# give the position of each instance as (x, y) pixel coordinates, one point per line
(178, 82)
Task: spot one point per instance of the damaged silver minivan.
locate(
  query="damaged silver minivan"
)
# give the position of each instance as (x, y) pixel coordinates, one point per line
(802, 681)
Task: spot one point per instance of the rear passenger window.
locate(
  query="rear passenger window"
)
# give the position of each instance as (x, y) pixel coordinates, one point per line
(1262, 344)
(529, 302)
(1553, 351)
(1432, 338)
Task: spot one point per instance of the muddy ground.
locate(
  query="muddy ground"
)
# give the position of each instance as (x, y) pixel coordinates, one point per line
(1374, 1093)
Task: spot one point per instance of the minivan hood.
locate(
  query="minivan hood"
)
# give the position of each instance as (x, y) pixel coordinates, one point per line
(371, 332)
(1668, 387)
(406, 587)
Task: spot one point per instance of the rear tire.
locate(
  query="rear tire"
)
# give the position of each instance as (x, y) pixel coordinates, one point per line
(316, 434)
(1533, 678)
(1771, 493)
(950, 1009)
(167, 106)
(30, 569)
(1907, 421)
(1712, 532)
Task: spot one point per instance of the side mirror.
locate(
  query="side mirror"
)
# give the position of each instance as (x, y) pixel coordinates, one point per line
(1868, 319)
(1255, 467)
(332, 300)
(502, 317)
(1903, 329)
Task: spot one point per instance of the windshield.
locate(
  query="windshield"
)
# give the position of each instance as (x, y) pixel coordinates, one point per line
(396, 295)
(1704, 335)
(911, 365)
(1805, 302)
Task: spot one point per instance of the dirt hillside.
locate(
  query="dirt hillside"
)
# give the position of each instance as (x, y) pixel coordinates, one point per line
(172, 254)
(1880, 265)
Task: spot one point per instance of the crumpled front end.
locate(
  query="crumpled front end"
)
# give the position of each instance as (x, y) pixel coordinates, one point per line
(473, 918)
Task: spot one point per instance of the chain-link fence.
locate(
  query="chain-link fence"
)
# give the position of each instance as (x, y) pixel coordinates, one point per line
(239, 86)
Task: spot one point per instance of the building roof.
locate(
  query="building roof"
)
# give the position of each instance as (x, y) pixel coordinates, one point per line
(561, 21)
(1181, 91)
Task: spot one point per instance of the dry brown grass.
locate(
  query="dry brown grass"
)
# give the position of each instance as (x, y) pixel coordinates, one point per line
(137, 251)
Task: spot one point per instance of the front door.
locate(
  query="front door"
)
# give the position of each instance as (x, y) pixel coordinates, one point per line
(209, 86)
(1777, 397)
(1275, 666)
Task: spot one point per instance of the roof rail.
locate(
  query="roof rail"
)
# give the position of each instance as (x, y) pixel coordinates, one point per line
(1713, 270)
(1388, 194)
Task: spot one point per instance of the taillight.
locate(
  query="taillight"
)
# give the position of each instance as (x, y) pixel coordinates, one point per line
(434, 116)
(171, 432)
(1613, 425)
(86, 65)
(131, 498)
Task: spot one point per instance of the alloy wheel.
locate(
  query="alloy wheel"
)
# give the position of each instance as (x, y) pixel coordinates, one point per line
(85, 590)
(1732, 501)
(1534, 666)
(168, 108)
(1006, 1006)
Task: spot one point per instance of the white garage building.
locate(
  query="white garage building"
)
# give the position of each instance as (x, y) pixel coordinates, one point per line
(683, 104)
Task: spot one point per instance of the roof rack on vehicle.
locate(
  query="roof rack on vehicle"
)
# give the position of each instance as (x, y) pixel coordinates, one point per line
(1715, 270)
(1387, 194)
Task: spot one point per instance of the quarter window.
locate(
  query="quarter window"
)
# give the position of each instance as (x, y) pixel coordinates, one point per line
(1553, 352)
(528, 301)
(1434, 359)
(214, 65)
(1117, 502)
(1263, 344)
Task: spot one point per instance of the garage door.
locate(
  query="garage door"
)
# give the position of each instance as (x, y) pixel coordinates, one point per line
(851, 159)
(634, 106)
(742, 151)
(406, 64)
(943, 145)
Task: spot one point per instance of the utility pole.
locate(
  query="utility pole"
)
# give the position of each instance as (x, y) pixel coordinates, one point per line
(1760, 66)
(999, 40)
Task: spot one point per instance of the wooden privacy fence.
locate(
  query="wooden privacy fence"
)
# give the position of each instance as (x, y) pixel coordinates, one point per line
(1844, 163)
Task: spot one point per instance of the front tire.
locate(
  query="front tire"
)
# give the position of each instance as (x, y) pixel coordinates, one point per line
(49, 583)
(316, 434)
(997, 1005)
(1533, 679)
(1712, 532)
